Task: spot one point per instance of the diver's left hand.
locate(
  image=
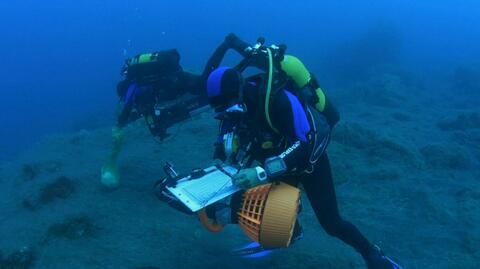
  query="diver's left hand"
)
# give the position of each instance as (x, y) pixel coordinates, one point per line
(249, 177)
(232, 40)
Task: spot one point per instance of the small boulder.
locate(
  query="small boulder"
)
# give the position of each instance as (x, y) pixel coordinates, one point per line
(21, 259)
(462, 122)
(29, 171)
(442, 157)
(61, 188)
(73, 228)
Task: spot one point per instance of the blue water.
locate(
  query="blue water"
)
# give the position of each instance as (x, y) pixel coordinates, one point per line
(405, 156)
(61, 59)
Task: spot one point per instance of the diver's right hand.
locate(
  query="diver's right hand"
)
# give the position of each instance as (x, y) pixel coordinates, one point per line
(249, 177)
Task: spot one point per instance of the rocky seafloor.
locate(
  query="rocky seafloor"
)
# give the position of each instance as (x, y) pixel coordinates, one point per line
(406, 167)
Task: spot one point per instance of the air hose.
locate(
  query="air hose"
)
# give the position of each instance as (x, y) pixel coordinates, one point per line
(269, 90)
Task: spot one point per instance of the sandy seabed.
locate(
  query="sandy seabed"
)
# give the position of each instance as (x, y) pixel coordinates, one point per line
(406, 172)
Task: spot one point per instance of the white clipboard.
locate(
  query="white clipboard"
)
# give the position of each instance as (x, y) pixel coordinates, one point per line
(198, 193)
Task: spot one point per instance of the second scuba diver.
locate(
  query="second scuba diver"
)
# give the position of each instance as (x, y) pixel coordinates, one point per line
(156, 87)
(276, 126)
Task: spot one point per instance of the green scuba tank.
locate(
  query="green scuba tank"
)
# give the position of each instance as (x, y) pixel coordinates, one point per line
(160, 63)
(297, 71)
(283, 70)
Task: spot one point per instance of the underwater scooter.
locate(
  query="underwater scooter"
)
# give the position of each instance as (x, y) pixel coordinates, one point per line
(267, 214)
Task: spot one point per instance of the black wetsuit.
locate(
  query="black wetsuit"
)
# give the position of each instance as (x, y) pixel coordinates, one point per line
(302, 138)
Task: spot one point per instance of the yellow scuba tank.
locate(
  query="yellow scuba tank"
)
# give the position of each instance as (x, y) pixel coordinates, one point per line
(158, 63)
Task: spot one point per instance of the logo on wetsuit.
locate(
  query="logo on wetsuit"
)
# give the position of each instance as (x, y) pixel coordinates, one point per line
(290, 149)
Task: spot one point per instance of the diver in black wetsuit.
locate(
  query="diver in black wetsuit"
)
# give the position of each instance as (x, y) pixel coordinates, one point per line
(157, 88)
(278, 132)
(153, 81)
(285, 139)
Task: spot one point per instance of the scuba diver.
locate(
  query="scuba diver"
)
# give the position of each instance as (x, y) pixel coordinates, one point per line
(275, 126)
(156, 87)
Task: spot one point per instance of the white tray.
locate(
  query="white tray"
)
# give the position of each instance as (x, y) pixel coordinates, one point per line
(202, 192)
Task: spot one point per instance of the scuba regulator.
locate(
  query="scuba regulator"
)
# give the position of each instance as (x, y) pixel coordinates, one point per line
(277, 78)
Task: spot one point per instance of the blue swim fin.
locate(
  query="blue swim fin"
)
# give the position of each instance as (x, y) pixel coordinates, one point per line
(252, 250)
(378, 260)
(394, 263)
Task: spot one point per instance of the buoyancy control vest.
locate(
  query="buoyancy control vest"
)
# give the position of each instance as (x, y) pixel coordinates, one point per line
(287, 72)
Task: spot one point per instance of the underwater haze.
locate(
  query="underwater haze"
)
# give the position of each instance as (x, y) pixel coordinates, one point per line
(404, 74)
(61, 59)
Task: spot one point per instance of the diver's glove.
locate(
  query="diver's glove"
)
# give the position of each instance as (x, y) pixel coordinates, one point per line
(234, 42)
(249, 177)
(110, 177)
